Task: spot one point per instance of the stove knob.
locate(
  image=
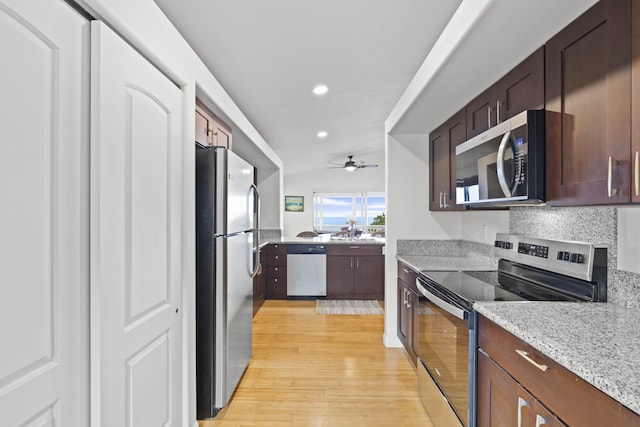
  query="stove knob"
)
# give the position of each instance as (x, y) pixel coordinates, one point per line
(577, 258)
(508, 245)
(567, 256)
(560, 255)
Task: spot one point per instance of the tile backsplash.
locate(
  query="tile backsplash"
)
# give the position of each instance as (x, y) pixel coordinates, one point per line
(267, 235)
(597, 225)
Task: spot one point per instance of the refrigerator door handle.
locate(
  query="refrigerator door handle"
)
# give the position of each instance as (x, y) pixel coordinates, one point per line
(256, 232)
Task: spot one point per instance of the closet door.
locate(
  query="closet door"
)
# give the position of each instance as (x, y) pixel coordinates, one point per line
(44, 227)
(136, 238)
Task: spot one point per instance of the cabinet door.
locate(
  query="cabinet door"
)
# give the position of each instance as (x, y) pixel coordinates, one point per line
(136, 312)
(369, 276)
(522, 88)
(204, 126)
(481, 112)
(275, 281)
(502, 402)
(44, 223)
(259, 286)
(442, 156)
(588, 108)
(635, 102)
(404, 333)
(221, 136)
(340, 276)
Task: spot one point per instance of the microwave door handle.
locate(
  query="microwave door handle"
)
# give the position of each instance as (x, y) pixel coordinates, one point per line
(502, 179)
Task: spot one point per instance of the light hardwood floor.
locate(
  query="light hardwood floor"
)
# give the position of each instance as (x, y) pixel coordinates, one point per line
(322, 370)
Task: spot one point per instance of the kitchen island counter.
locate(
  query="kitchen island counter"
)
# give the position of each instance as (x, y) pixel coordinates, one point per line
(598, 342)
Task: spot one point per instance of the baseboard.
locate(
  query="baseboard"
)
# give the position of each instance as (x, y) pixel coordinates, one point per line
(391, 341)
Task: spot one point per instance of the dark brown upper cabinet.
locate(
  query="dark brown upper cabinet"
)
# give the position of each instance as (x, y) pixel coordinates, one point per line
(520, 89)
(442, 171)
(210, 129)
(635, 102)
(588, 103)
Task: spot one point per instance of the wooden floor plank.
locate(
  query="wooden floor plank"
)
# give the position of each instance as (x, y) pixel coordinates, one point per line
(322, 370)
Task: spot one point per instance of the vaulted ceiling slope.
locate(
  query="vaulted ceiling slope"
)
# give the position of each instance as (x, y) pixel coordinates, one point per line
(268, 55)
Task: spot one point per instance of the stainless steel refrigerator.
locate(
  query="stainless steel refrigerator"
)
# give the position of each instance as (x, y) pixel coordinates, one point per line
(227, 258)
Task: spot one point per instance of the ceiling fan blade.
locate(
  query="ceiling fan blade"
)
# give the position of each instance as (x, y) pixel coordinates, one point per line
(337, 164)
(368, 166)
(335, 167)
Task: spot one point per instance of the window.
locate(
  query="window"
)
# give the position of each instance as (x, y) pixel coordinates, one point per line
(332, 211)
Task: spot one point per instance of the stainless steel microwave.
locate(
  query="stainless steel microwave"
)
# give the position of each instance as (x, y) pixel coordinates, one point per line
(505, 165)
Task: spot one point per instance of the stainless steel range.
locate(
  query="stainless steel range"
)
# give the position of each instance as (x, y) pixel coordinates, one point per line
(529, 269)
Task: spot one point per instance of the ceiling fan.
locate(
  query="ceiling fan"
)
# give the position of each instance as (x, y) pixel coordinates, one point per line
(350, 165)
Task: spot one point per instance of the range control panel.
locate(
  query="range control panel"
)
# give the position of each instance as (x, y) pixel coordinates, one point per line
(570, 257)
(533, 250)
(575, 259)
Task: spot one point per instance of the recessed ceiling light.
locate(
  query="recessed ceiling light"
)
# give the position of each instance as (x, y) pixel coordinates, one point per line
(322, 134)
(320, 89)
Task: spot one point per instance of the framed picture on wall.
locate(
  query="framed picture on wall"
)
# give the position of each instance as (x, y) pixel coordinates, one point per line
(294, 203)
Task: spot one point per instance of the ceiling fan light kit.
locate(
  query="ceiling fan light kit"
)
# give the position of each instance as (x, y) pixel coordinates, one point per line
(351, 166)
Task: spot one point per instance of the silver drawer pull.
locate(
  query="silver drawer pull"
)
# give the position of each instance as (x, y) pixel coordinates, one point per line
(540, 421)
(525, 356)
(406, 270)
(521, 404)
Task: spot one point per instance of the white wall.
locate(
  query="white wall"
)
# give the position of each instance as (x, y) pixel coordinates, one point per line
(408, 216)
(329, 180)
(270, 185)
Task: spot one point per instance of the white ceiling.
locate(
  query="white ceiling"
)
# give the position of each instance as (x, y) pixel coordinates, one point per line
(268, 55)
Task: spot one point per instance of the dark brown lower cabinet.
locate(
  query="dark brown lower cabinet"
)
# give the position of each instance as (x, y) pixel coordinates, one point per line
(408, 320)
(275, 271)
(516, 380)
(502, 402)
(408, 305)
(355, 272)
(259, 286)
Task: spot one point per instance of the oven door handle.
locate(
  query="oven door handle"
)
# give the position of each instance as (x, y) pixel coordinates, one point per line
(449, 308)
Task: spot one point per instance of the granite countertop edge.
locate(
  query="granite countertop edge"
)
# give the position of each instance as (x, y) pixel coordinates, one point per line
(595, 341)
(320, 240)
(449, 263)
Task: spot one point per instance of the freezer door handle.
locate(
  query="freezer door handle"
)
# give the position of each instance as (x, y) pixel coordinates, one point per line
(255, 268)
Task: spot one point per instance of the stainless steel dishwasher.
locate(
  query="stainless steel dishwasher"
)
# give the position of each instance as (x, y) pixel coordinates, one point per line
(306, 270)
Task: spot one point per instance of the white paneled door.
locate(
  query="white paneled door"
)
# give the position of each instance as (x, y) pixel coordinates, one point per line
(44, 227)
(136, 238)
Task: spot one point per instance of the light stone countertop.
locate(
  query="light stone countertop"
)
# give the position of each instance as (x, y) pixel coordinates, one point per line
(449, 263)
(325, 238)
(599, 342)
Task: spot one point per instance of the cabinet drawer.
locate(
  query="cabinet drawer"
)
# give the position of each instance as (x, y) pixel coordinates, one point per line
(354, 250)
(560, 390)
(407, 275)
(276, 272)
(275, 249)
(275, 260)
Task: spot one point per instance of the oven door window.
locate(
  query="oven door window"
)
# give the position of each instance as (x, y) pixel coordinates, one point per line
(444, 348)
